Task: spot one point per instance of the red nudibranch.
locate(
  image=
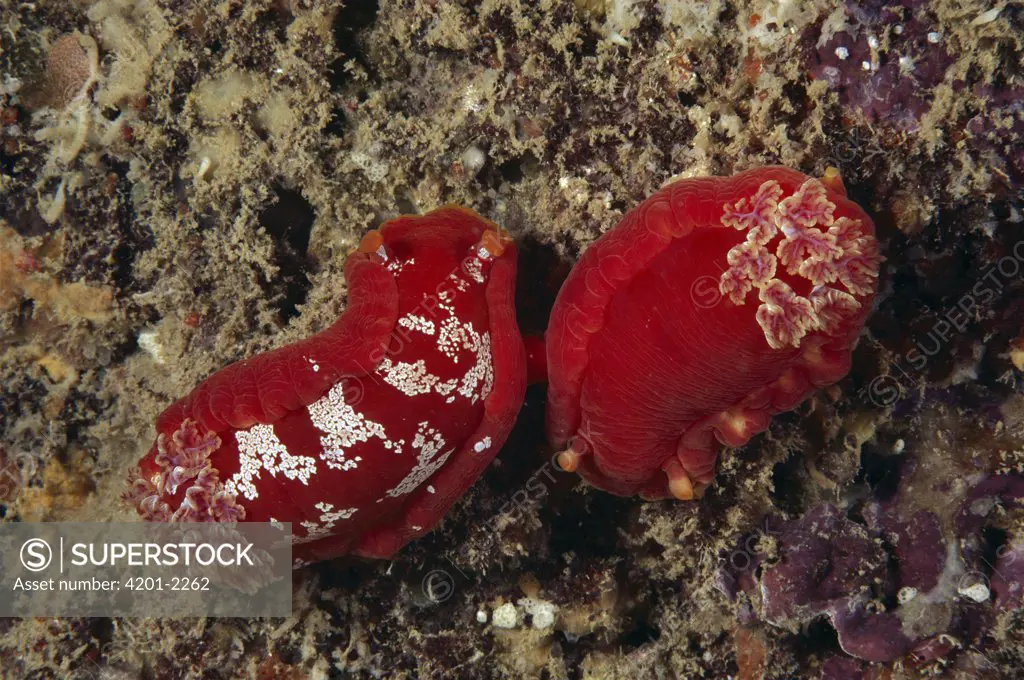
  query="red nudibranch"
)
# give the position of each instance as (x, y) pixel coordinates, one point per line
(715, 304)
(362, 436)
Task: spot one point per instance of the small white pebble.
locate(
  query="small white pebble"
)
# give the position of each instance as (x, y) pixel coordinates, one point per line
(473, 159)
(542, 614)
(481, 616)
(471, 100)
(430, 489)
(866, 65)
(842, 53)
(204, 167)
(544, 619)
(906, 594)
(987, 17)
(505, 616)
(150, 344)
(976, 592)
(934, 37)
(898, 446)
(872, 42)
(614, 37)
(10, 85)
(897, 29)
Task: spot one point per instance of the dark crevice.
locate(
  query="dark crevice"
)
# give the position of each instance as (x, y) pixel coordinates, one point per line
(514, 170)
(353, 18)
(994, 541)
(135, 235)
(687, 99)
(81, 410)
(585, 47)
(569, 525)
(107, 256)
(541, 273)
(881, 472)
(336, 125)
(102, 630)
(787, 492)
(289, 222)
(643, 632)
(404, 203)
(21, 213)
(817, 638)
(279, 17)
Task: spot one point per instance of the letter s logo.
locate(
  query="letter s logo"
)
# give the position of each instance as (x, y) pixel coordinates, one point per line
(36, 554)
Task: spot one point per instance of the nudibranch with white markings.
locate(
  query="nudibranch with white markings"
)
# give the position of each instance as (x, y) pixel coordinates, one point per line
(715, 304)
(362, 436)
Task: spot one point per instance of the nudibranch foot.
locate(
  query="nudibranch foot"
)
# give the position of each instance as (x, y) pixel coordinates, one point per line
(713, 305)
(569, 459)
(361, 436)
(679, 483)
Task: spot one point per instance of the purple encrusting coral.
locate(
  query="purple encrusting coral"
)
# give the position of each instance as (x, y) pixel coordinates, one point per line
(830, 565)
(842, 668)
(883, 64)
(1004, 573)
(894, 580)
(823, 558)
(1008, 581)
(886, 62)
(917, 545)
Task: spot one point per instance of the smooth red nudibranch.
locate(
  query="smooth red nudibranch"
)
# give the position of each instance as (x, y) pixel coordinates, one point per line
(715, 304)
(362, 436)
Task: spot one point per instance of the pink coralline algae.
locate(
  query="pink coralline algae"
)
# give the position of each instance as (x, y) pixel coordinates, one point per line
(876, 576)
(828, 566)
(886, 65)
